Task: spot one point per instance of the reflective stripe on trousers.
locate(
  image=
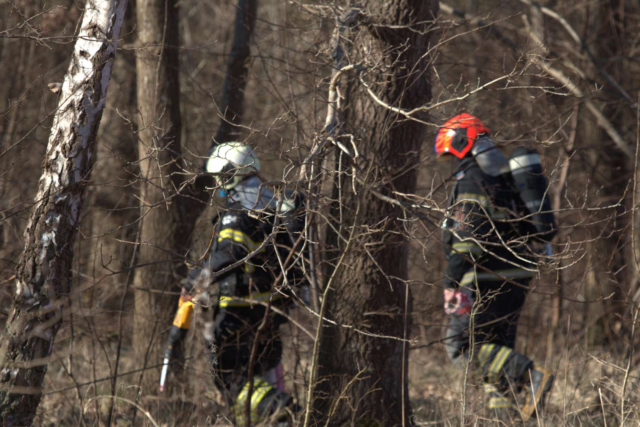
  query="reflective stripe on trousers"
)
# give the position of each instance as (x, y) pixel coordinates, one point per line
(501, 365)
(492, 359)
(260, 389)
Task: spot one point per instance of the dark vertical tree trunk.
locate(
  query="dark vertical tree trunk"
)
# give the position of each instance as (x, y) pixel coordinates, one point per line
(164, 234)
(362, 378)
(11, 194)
(168, 221)
(15, 111)
(44, 273)
(232, 102)
(237, 71)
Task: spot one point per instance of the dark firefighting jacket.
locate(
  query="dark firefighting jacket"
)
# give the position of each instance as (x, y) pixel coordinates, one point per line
(243, 229)
(481, 232)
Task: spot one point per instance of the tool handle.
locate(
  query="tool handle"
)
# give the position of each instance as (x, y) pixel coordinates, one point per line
(163, 375)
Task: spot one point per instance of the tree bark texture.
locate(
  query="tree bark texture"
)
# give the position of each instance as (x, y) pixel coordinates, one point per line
(169, 218)
(165, 235)
(232, 102)
(362, 378)
(44, 272)
(235, 82)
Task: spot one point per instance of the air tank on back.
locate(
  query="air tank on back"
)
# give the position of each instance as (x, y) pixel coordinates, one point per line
(529, 178)
(489, 157)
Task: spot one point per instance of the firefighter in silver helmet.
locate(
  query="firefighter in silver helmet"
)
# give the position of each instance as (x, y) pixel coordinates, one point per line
(238, 297)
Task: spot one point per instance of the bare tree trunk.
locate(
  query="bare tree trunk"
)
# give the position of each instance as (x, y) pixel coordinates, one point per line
(232, 102)
(362, 376)
(169, 219)
(237, 70)
(164, 234)
(44, 272)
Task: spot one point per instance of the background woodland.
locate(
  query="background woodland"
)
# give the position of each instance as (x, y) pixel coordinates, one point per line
(342, 100)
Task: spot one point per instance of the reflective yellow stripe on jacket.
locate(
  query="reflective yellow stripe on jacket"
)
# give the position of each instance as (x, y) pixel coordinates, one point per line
(498, 362)
(480, 199)
(240, 237)
(499, 402)
(246, 301)
(258, 394)
(485, 352)
(244, 239)
(260, 389)
(466, 248)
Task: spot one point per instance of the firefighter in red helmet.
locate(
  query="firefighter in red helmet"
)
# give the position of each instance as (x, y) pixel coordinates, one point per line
(488, 270)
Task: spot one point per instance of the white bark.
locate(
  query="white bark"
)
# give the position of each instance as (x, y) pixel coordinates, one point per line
(75, 124)
(43, 276)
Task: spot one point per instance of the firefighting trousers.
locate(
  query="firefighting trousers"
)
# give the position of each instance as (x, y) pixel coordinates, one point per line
(486, 337)
(239, 377)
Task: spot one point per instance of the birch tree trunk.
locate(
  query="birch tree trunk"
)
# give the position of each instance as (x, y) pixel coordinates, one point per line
(44, 271)
(362, 374)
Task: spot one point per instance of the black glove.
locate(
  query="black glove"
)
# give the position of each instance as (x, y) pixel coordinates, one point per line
(173, 349)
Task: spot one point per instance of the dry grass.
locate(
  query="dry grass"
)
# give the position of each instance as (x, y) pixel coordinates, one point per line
(587, 389)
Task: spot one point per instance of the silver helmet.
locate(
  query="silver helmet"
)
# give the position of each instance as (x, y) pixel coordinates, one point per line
(233, 161)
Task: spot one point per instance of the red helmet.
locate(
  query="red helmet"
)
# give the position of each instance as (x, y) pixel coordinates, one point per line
(458, 134)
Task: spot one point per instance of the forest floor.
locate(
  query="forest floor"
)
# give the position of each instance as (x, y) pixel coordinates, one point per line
(587, 392)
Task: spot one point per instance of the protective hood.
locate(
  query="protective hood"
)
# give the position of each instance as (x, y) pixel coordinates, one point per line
(251, 196)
